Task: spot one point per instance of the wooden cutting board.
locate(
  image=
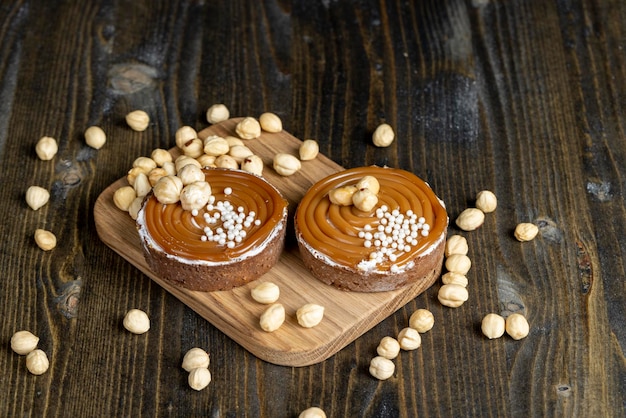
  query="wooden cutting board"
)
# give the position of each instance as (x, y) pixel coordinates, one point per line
(347, 314)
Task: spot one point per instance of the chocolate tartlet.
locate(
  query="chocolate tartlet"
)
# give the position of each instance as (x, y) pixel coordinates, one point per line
(237, 237)
(398, 242)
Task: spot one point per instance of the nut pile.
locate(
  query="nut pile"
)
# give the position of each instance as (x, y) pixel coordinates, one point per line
(25, 343)
(196, 362)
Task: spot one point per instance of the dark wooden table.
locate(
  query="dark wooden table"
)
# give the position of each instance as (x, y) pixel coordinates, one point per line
(524, 98)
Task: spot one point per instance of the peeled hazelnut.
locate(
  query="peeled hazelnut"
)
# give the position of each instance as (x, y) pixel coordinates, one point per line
(526, 231)
(133, 173)
(145, 164)
(388, 348)
(452, 295)
(226, 161)
(272, 318)
(161, 156)
(191, 174)
(23, 342)
(216, 146)
(142, 185)
(37, 362)
(183, 160)
(517, 326)
(195, 195)
(492, 326)
(253, 164)
(195, 358)
(422, 320)
(239, 153)
(193, 148)
(199, 378)
(156, 173)
(364, 200)
(409, 339)
(456, 244)
(454, 278)
(470, 219)
(217, 113)
(135, 206)
(170, 168)
(36, 197)
(286, 164)
(167, 189)
(95, 137)
(458, 263)
(342, 196)
(123, 197)
(382, 368)
(206, 160)
(45, 239)
(313, 412)
(369, 182)
(310, 315)
(266, 292)
(233, 140)
(486, 201)
(248, 128)
(308, 150)
(46, 148)
(136, 321)
(383, 136)
(270, 122)
(184, 134)
(138, 120)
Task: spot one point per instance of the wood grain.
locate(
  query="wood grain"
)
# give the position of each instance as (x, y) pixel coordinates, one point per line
(347, 315)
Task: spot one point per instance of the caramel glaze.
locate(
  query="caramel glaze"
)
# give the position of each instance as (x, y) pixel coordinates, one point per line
(332, 229)
(179, 233)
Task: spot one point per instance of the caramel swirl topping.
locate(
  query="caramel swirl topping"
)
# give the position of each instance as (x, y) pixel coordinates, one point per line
(184, 233)
(346, 234)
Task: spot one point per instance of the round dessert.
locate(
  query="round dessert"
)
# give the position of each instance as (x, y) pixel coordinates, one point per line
(399, 241)
(235, 238)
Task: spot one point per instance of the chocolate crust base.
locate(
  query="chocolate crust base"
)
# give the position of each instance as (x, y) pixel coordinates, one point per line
(427, 269)
(205, 278)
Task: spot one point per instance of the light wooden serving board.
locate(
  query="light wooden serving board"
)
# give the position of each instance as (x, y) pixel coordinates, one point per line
(347, 314)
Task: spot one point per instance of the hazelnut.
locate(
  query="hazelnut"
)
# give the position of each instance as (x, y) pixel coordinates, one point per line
(183, 160)
(383, 136)
(286, 164)
(217, 113)
(195, 195)
(270, 122)
(248, 128)
(195, 358)
(216, 146)
(167, 189)
(233, 140)
(46, 148)
(388, 348)
(193, 148)
(308, 150)
(342, 196)
(170, 168)
(123, 197)
(310, 315)
(456, 244)
(135, 206)
(486, 201)
(95, 137)
(45, 239)
(206, 160)
(138, 120)
(454, 278)
(369, 182)
(136, 321)
(239, 153)
(526, 231)
(226, 161)
(145, 164)
(253, 164)
(517, 326)
(191, 174)
(156, 173)
(161, 156)
(422, 320)
(364, 200)
(452, 295)
(133, 173)
(199, 378)
(184, 134)
(23, 342)
(272, 318)
(36, 197)
(266, 292)
(142, 185)
(37, 362)
(313, 412)
(382, 368)
(492, 326)
(458, 263)
(470, 219)
(409, 339)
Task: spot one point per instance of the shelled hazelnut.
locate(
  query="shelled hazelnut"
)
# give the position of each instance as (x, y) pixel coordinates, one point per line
(46, 148)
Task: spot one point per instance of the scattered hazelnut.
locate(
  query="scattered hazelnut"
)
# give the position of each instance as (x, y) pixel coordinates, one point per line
(23, 342)
(253, 164)
(199, 378)
(248, 128)
(36, 197)
(123, 197)
(136, 321)
(239, 153)
(286, 164)
(167, 189)
(195, 195)
(486, 201)
(342, 196)
(270, 122)
(310, 315)
(313, 412)
(409, 339)
(470, 219)
(369, 182)
(388, 348)
(382, 368)
(422, 320)
(226, 161)
(161, 156)
(37, 362)
(138, 120)
(456, 244)
(492, 326)
(526, 231)
(216, 146)
(266, 292)
(217, 113)
(145, 164)
(517, 326)
(193, 148)
(383, 135)
(195, 358)
(272, 318)
(458, 263)
(45, 239)
(452, 295)
(364, 200)
(454, 278)
(308, 150)
(184, 134)
(95, 137)
(46, 148)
